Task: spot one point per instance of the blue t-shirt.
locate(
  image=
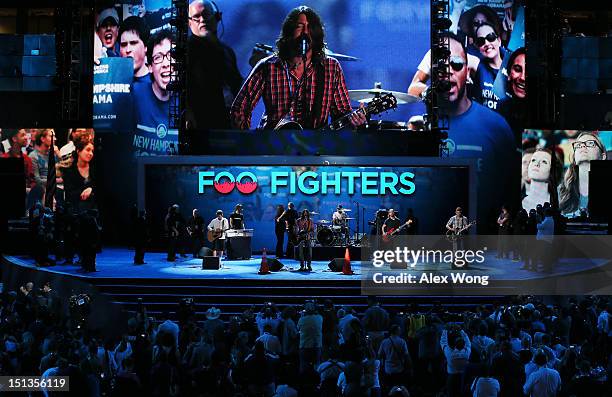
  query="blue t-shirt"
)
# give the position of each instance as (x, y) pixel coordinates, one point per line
(485, 80)
(151, 134)
(146, 79)
(484, 135)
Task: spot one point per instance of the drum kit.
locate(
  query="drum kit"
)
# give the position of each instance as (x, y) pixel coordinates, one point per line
(330, 234)
(365, 96)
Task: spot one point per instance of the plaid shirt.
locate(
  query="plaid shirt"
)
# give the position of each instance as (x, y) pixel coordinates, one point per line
(271, 79)
(457, 222)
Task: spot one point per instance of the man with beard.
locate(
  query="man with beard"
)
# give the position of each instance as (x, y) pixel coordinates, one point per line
(306, 88)
(478, 132)
(107, 29)
(152, 102)
(133, 38)
(213, 78)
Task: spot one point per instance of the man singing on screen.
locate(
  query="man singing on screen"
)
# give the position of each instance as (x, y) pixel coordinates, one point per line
(299, 82)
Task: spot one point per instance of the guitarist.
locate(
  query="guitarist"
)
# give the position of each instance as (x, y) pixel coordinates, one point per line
(391, 224)
(305, 231)
(217, 228)
(299, 82)
(289, 217)
(195, 230)
(458, 224)
(172, 226)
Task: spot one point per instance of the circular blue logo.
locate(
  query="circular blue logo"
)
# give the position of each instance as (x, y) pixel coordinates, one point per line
(161, 131)
(450, 145)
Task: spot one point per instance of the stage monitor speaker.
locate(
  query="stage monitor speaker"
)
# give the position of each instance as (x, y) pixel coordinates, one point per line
(336, 264)
(211, 263)
(275, 265)
(13, 188)
(204, 251)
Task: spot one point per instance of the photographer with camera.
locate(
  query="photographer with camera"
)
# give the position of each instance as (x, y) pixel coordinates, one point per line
(269, 315)
(457, 356)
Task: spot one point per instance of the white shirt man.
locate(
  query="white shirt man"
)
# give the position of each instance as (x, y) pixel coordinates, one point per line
(456, 358)
(271, 342)
(219, 224)
(544, 382)
(339, 217)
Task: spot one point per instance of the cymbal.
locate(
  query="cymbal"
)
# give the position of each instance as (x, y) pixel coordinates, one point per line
(323, 221)
(368, 94)
(346, 209)
(314, 213)
(340, 57)
(349, 219)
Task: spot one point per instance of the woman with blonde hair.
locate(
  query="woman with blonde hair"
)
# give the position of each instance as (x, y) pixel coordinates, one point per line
(574, 191)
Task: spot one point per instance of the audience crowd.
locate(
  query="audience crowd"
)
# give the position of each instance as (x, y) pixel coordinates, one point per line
(523, 348)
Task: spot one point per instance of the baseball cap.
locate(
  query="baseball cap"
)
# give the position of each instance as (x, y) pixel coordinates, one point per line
(105, 14)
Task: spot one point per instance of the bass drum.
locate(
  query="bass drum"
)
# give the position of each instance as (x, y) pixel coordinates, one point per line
(325, 236)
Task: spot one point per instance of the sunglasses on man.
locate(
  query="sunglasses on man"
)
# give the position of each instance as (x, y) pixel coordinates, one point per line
(457, 63)
(480, 41)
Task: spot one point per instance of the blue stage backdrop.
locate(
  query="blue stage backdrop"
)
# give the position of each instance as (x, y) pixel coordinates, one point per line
(431, 190)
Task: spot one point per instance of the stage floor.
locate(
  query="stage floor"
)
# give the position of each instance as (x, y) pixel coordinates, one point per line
(118, 263)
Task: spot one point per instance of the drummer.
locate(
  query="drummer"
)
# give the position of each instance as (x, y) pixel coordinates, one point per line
(339, 221)
(339, 217)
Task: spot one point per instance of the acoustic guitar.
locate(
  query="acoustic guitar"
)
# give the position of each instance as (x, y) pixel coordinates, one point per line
(213, 235)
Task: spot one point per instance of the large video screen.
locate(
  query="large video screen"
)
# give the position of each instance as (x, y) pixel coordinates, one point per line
(244, 67)
(209, 184)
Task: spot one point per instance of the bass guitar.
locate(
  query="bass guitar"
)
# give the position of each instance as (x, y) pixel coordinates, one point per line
(391, 233)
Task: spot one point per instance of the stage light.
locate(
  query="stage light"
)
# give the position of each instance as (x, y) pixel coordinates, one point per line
(439, 52)
(177, 52)
(439, 6)
(442, 23)
(175, 86)
(177, 21)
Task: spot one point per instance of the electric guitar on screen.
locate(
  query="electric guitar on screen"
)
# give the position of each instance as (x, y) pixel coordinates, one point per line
(453, 235)
(392, 232)
(375, 106)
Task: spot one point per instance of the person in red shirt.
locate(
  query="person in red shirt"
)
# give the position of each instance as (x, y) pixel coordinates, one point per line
(19, 140)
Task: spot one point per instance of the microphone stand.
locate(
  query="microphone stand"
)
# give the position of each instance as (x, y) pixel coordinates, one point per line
(358, 220)
(363, 223)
